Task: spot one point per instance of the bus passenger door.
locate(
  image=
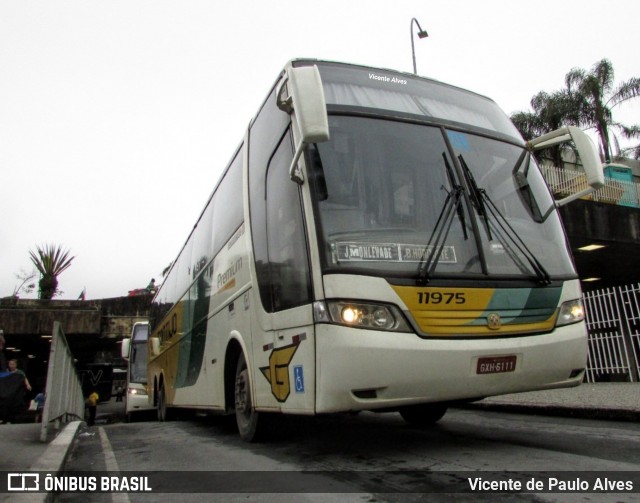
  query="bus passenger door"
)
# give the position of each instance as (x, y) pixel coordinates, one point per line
(286, 359)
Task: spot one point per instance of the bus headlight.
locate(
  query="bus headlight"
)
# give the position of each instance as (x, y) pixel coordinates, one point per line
(362, 315)
(136, 391)
(570, 312)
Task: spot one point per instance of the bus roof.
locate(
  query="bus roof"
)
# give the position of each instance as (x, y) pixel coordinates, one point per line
(402, 93)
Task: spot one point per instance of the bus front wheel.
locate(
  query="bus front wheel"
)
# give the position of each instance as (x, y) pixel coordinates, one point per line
(423, 414)
(246, 416)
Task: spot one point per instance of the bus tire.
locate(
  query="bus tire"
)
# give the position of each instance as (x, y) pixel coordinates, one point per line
(424, 414)
(163, 411)
(247, 419)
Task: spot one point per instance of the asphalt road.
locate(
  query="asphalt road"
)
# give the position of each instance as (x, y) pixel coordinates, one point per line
(365, 458)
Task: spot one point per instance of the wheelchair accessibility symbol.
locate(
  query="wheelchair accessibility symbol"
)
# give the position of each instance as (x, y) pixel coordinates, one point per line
(298, 378)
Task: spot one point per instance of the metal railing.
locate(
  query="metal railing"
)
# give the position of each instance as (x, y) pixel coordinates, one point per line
(613, 322)
(564, 182)
(64, 400)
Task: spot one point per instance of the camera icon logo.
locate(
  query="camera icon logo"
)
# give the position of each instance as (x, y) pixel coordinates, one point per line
(23, 482)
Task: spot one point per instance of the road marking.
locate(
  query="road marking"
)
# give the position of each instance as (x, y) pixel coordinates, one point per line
(111, 464)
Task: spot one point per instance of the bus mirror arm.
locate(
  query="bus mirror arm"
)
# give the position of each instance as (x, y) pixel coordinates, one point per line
(295, 173)
(302, 95)
(586, 150)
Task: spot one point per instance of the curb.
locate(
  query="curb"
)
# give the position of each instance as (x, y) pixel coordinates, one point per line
(52, 461)
(54, 457)
(606, 414)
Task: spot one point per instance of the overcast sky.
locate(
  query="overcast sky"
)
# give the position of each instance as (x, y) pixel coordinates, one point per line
(117, 117)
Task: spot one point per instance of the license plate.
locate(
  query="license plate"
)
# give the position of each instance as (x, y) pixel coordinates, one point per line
(496, 364)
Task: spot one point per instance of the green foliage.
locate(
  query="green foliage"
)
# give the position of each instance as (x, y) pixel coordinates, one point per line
(587, 101)
(550, 112)
(50, 261)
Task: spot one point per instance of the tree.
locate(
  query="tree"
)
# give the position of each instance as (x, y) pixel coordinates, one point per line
(587, 102)
(595, 96)
(550, 112)
(50, 260)
(631, 132)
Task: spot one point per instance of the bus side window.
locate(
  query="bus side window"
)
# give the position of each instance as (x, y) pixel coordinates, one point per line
(286, 240)
(266, 132)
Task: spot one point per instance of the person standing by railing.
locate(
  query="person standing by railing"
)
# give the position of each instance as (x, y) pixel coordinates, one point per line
(92, 405)
(13, 368)
(13, 387)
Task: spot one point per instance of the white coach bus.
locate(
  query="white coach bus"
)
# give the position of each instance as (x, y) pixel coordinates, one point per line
(134, 350)
(379, 241)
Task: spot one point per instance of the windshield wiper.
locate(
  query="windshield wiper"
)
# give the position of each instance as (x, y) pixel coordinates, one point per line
(476, 195)
(524, 189)
(459, 207)
(452, 205)
(486, 208)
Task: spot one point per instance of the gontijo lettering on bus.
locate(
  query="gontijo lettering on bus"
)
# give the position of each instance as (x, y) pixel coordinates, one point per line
(170, 326)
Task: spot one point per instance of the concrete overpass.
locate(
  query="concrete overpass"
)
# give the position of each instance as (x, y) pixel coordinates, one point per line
(615, 232)
(92, 328)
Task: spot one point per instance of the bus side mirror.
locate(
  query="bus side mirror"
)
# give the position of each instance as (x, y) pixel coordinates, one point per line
(155, 345)
(124, 349)
(586, 151)
(301, 94)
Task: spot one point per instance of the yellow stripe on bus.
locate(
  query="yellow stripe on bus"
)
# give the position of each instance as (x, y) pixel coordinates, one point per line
(480, 311)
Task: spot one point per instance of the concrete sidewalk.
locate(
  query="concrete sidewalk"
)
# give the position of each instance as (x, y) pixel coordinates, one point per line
(606, 401)
(23, 451)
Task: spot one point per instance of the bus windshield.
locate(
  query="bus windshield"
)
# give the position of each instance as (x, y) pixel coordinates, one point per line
(138, 356)
(417, 200)
(382, 91)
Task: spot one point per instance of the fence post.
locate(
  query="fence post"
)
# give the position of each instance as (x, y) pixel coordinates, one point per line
(614, 346)
(603, 324)
(631, 308)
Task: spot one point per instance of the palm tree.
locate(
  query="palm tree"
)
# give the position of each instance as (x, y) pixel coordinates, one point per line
(596, 96)
(550, 112)
(51, 261)
(631, 132)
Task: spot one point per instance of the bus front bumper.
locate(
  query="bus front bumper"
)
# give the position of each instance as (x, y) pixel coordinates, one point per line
(367, 370)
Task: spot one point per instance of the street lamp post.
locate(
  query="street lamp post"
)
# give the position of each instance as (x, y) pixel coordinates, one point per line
(422, 34)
